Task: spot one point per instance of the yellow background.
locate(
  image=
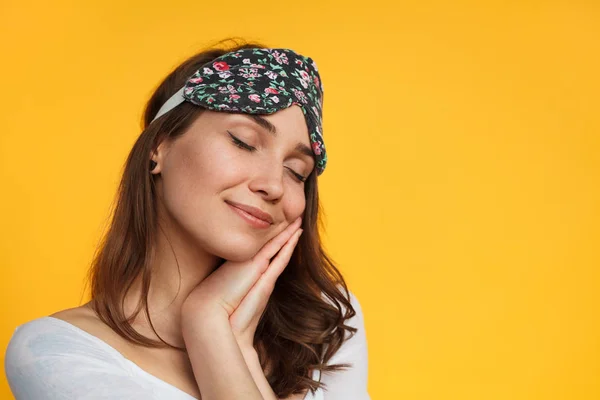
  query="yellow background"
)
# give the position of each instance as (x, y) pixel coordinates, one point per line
(462, 195)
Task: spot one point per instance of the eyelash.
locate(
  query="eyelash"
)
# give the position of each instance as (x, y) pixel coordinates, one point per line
(237, 142)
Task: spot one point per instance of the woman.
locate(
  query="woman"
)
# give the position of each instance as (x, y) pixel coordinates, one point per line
(211, 281)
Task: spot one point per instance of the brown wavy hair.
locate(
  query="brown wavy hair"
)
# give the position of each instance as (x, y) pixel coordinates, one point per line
(303, 323)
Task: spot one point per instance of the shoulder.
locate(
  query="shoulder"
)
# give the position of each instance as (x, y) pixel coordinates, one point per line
(63, 338)
(60, 335)
(85, 320)
(39, 336)
(82, 317)
(358, 318)
(350, 383)
(44, 355)
(355, 304)
(353, 341)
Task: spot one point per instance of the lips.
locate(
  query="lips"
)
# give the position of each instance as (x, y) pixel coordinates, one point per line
(255, 212)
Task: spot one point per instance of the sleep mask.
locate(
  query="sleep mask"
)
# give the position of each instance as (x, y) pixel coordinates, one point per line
(259, 81)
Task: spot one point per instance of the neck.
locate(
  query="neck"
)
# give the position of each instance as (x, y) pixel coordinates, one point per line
(178, 266)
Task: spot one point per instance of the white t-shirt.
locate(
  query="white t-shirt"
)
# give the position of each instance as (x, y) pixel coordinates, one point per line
(51, 359)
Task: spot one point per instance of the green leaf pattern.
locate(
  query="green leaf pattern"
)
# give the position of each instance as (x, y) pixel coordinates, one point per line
(263, 81)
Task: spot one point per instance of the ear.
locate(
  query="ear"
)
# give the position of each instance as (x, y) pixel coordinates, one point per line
(158, 156)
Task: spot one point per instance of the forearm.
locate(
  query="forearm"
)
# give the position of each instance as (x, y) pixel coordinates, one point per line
(219, 365)
(253, 363)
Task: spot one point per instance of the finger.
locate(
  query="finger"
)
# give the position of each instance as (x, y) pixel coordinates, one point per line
(269, 277)
(269, 250)
(249, 311)
(251, 308)
(229, 284)
(234, 280)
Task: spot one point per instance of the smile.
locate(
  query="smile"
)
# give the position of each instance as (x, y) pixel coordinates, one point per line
(251, 219)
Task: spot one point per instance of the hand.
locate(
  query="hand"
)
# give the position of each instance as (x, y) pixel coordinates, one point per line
(241, 290)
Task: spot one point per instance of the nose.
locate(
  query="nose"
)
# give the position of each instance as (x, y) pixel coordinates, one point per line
(267, 180)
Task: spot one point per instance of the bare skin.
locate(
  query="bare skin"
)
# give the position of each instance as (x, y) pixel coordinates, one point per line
(171, 366)
(238, 308)
(245, 177)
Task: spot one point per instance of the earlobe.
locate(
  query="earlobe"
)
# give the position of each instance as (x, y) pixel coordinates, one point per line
(156, 159)
(154, 167)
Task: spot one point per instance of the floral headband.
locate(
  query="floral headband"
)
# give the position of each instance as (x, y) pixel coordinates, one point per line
(259, 81)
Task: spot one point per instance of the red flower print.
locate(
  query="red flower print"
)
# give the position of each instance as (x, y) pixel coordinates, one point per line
(234, 96)
(316, 148)
(196, 80)
(221, 66)
(255, 98)
(300, 95)
(271, 90)
(281, 58)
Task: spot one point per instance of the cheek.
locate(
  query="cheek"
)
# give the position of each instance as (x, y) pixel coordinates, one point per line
(192, 186)
(294, 204)
(202, 167)
(195, 179)
(189, 181)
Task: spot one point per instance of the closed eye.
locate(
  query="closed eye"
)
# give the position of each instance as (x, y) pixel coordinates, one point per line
(241, 144)
(301, 178)
(245, 146)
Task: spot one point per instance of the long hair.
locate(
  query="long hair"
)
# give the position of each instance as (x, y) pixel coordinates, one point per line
(303, 323)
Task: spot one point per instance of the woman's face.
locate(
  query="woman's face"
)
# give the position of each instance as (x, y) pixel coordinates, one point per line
(205, 170)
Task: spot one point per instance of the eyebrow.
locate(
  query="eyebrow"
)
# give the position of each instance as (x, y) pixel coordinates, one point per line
(266, 124)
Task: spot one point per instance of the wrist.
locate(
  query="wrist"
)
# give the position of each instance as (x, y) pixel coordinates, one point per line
(250, 355)
(201, 325)
(256, 370)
